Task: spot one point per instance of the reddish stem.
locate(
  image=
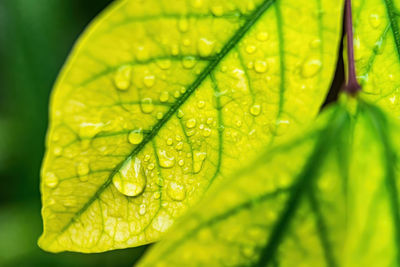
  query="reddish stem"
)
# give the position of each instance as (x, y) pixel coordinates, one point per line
(352, 86)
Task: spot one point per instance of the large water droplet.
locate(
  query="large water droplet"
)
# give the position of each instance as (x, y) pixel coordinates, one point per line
(122, 78)
(51, 180)
(311, 68)
(135, 137)
(176, 191)
(205, 47)
(198, 158)
(166, 161)
(130, 180)
(147, 105)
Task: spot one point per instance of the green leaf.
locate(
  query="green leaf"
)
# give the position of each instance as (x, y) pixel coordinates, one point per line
(161, 99)
(377, 51)
(327, 198)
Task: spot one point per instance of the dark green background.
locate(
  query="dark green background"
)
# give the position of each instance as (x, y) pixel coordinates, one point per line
(35, 39)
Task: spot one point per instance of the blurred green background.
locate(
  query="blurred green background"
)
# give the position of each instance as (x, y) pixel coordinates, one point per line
(35, 39)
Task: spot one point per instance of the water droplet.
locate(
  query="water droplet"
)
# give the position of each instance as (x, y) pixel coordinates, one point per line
(179, 146)
(183, 25)
(142, 54)
(311, 68)
(122, 78)
(186, 42)
(180, 114)
(166, 161)
(181, 162)
(130, 180)
(147, 157)
(255, 110)
(198, 159)
(191, 123)
(188, 62)
(262, 36)
(57, 150)
(177, 94)
(164, 64)
(260, 66)
(175, 50)
(149, 80)
(251, 49)
(51, 180)
(82, 169)
(217, 10)
(210, 121)
(176, 191)
(375, 20)
(169, 141)
(207, 132)
(151, 166)
(164, 96)
(135, 137)
(157, 195)
(142, 210)
(147, 105)
(205, 47)
(159, 115)
(201, 104)
(315, 43)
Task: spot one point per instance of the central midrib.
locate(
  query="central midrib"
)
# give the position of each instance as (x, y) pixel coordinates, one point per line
(252, 19)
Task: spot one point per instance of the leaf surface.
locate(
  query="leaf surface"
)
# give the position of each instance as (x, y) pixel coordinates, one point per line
(377, 51)
(327, 198)
(160, 99)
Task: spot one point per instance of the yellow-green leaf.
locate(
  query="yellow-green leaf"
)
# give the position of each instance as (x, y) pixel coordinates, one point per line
(377, 51)
(160, 99)
(328, 198)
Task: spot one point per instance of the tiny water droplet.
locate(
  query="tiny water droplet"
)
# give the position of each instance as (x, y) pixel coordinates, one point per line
(262, 36)
(250, 49)
(260, 66)
(179, 146)
(135, 137)
(315, 43)
(188, 62)
(255, 110)
(151, 166)
(191, 123)
(83, 169)
(164, 64)
(157, 195)
(147, 157)
(207, 132)
(311, 67)
(147, 105)
(164, 96)
(122, 78)
(198, 159)
(181, 162)
(183, 25)
(180, 114)
(169, 141)
(166, 161)
(176, 191)
(159, 115)
(129, 180)
(142, 210)
(205, 47)
(217, 10)
(51, 180)
(149, 80)
(201, 104)
(375, 20)
(57, 150)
